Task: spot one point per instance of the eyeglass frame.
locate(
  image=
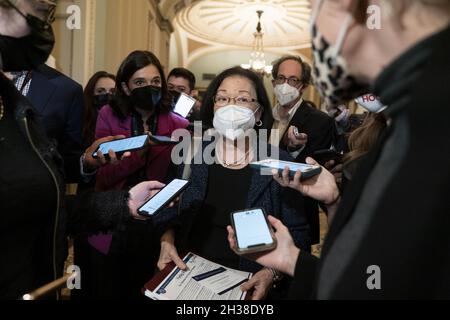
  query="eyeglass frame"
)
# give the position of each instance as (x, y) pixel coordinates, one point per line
(288, 80)
(252, 100)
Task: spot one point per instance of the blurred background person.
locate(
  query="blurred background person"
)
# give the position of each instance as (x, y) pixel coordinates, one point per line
(98, 93)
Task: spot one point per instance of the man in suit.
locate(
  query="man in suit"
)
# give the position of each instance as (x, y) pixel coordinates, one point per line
(59, 102)
(302, 129)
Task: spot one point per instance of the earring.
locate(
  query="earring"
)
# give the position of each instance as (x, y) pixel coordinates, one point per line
(259, 123)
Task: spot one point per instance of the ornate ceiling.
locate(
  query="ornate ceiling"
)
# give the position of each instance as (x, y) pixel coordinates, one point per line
(233, 22)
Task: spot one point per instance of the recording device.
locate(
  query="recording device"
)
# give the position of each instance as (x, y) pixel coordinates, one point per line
(184, 105)
(253, 231)
(298, 134)
(308, 171)
(324, 156)
(163, 140)
(163, 198)
(121, 146)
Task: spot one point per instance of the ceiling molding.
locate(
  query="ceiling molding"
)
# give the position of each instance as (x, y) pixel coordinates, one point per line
(285, 22)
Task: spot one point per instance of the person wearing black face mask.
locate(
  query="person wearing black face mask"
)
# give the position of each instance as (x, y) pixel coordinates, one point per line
(35, 217)
(98, 93)
(31, 50)
(142, 105)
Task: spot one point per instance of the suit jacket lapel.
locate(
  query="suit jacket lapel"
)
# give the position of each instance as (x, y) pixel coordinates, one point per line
(41, 90)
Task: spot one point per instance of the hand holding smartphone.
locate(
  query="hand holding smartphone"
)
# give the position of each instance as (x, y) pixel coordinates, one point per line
(184, 105)
(253, 231)
(324, 156)
(308, 171)
(163, 198)
(162, 140)
(121, 146)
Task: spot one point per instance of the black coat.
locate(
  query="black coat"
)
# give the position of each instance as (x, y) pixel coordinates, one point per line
(407, 234)
(59, 105)
(320, 129)
(73, 215)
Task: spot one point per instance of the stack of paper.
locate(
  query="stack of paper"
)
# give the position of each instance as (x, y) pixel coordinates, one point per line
(203, 280)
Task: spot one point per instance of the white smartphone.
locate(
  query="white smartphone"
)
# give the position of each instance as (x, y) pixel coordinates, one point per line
(184, 105)
(121, 146)
(253, 231)
(308, 171)
(160, 200)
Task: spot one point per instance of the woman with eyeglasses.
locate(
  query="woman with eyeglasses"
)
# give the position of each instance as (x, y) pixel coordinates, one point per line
(235, 103)
(142, 105)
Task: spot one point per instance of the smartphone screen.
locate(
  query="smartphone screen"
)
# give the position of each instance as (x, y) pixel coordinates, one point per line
(251, 229)
(184, 105)
(122, 145)
(280, 165)
(163, 197)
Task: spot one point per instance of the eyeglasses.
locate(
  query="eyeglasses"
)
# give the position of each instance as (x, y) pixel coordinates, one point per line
(242, 101)
(292, 81)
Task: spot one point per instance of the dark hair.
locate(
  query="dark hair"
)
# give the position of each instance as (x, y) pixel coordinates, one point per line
(90, 111)
(185, 74)
(135, 61)
(306, 68)
(261, 95)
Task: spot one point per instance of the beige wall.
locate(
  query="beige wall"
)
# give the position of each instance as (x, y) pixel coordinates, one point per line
(110, 30)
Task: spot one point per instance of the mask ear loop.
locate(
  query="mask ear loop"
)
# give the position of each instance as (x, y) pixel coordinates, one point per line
(343, 33)
(315, 13)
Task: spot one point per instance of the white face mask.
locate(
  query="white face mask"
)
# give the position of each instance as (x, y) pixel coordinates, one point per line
(371, 103)
(286, 94)
(233, 121)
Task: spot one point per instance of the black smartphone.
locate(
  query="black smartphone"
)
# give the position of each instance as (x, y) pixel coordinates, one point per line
(253, 231)
(121, 146)
(160, 200)
(324, 156)
(184, 105)
(163, 140)
(308, 171)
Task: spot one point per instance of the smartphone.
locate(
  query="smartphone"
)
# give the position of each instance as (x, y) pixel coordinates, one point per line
(297, 133)
(162, 140)
(323, 156)
(308, 171)
(253, 231)
(121, 146)
(160, 200)
(184, 105)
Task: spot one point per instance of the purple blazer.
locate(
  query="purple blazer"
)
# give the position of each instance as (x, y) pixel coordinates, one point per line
(114, 177)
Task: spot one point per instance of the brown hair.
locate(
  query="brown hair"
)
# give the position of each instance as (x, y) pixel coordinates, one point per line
(90, 111)
(306, 68)
(365, 137)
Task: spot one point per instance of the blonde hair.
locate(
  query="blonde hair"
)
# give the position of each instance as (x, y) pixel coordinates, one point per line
(365, 137)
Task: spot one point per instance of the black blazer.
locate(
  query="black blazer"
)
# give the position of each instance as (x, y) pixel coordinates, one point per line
(59, 104)
(408, 236)
(317, 125)
(320, 129)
